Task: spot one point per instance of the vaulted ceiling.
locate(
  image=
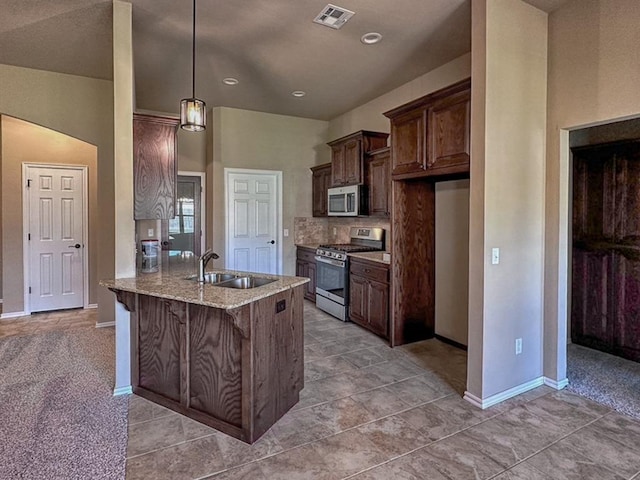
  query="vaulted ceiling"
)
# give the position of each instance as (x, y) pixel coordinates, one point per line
(272, 47)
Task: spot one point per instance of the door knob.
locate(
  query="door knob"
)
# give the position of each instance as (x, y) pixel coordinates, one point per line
(77, 245)
(272, 242)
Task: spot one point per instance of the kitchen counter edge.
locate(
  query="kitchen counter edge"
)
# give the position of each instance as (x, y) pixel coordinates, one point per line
(175, 286)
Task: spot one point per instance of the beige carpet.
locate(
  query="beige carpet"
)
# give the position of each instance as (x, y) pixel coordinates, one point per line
(59, 419)
(607, 379)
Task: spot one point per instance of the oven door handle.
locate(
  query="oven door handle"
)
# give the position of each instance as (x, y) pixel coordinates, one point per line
(335, 263)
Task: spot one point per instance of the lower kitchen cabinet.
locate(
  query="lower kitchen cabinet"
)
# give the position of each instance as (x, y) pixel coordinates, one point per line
(306, 267)
(369, 295)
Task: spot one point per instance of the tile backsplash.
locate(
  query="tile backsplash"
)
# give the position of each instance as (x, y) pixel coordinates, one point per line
(314, 230)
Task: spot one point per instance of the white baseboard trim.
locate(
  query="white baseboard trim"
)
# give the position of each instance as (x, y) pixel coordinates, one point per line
(90, 306)
(12, 315)
(558, 385)
(105, 324)
(502, 396)
(122, 391)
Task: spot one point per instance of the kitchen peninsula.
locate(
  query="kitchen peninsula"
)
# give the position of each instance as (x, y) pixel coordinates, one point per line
(231, 358)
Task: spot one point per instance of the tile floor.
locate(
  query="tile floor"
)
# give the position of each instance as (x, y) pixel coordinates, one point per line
(370, 412)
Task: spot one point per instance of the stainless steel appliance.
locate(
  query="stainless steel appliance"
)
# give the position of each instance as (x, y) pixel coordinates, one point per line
(332, 269)
(349, 201)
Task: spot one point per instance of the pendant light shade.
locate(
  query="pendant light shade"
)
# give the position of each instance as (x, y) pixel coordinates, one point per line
(193, 112)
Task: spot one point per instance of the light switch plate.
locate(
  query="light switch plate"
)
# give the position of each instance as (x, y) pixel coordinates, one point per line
(495, 256)
(150, 232)
(286, 232)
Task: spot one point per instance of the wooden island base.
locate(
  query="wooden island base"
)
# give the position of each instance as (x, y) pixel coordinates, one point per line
(237, 370)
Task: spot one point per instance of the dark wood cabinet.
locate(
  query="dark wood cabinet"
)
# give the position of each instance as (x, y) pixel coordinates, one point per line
(369, 295)
(449, 128)
(378, 168)
(430, 135)
(154, 167)
(321, 181)
(347, 156)
(306, 267)
(409, 143)
(605, 298)
(237, 370)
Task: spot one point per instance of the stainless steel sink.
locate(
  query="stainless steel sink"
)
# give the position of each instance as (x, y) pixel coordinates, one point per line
(213, 277)
(246, 282)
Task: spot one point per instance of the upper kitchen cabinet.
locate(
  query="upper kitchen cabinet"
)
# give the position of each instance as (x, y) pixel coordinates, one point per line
(378, 168)
(430, 135)
(321, 181)
(449, 125)
(154, 167)
(347, 156)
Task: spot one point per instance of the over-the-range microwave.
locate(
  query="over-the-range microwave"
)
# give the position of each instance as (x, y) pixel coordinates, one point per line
(349, 201)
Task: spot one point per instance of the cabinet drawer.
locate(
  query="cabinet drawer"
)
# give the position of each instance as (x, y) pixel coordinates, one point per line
(306, 255)
(369, 271)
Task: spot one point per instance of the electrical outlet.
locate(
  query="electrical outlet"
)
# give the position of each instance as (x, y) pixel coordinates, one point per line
(335, 231)
(495, 256)
(518, 346)
(150, 232)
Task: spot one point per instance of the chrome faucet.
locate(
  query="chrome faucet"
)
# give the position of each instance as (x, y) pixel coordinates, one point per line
(202, 263)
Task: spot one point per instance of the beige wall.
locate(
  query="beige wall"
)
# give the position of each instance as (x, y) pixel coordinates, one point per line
(594, 73)
(254, 140)
(24, 142)
(452, 260)
(509, 173)
(370, 115)
(81, 108)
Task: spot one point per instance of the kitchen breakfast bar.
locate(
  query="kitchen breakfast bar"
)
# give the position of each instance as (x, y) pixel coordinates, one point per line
(227, 354)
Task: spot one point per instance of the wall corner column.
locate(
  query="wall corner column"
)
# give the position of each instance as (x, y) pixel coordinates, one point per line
(123, 179)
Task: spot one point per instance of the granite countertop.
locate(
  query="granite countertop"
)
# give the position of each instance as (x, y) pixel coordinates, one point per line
(372, 256)
(171, 283)
(312, 246)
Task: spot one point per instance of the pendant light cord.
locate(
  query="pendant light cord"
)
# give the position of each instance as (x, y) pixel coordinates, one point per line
(193, 53)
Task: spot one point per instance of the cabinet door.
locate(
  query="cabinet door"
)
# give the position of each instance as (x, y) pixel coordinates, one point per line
(154, 167)
(379, 181)
(449, 135)
(337, 165)
(591, 305)
(310, 293)
(320, 184)
(408, 138)
(353, 162)
(358, 300)
(378, 308)
(159, 344)
(626, 328)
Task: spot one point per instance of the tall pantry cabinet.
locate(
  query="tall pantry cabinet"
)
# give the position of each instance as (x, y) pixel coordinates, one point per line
(605, 299)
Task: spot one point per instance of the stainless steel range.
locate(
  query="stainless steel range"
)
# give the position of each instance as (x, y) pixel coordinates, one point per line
(332, 277)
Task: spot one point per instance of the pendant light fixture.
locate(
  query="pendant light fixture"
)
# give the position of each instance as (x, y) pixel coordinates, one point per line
(193, 112)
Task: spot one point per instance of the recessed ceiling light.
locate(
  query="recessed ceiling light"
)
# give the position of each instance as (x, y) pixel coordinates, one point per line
(230, 81)
(371, 38)
(298, 93)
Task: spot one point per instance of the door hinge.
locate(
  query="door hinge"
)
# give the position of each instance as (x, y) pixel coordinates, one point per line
(29, 290)
(29, 183)
(29, 236)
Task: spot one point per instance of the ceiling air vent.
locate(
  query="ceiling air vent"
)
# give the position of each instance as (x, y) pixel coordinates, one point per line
(333, 16)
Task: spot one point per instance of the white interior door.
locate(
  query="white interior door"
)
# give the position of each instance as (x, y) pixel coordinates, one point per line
(253, 211)
(55, 237)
